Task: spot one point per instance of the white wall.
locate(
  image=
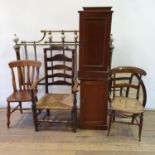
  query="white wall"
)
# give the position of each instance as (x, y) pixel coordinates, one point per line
(133, 29)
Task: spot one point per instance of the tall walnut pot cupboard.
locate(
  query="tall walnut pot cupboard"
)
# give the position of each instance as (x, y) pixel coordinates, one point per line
(94, 65)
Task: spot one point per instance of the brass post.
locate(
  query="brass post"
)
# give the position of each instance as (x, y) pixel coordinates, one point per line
(111, 49)
(17, 47)
(17, 50)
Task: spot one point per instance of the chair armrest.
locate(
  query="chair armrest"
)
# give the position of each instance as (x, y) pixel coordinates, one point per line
(76, 85)
(35, 84)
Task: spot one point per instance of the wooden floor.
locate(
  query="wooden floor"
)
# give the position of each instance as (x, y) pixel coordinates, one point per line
(21, 139)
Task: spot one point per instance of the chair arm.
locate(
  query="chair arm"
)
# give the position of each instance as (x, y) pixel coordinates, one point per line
(35, 84)
(76, 85)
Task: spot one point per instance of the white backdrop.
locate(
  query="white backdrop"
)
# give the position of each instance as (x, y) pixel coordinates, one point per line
(133, 27)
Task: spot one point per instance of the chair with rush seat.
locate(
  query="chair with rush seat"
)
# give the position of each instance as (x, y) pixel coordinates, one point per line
(59, 74)
(127, 96)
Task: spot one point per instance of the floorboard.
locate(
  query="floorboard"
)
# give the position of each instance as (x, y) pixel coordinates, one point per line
(21, 139)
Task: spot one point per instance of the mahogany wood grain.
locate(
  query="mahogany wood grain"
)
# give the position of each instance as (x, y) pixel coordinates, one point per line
(94, 66)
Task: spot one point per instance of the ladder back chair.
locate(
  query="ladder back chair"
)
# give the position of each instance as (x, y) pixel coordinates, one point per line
(24, 73)
(127, 96)
(59, 73)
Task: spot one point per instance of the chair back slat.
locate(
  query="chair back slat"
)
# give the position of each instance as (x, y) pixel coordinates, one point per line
(28, 77)
(24, 78)
(60, 57)
(60, 75)
(60, 83)
(13, 80)
(64, 67)
(37, 76)
(33, 71)
(20, 78)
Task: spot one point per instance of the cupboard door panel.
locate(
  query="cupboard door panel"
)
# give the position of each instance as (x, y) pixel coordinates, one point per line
(94, 97)
(94, 42)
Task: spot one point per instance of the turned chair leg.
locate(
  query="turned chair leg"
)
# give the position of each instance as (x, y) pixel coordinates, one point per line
(110, 120)
(113, 117)
(48, 112)
(74, 119)
(35, 117)
(20, 105)
(133, 118)
(140, 126)
(8, 115)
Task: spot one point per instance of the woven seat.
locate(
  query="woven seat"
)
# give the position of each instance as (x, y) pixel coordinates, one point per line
(56, 102)
(127, 96)
(127, 105)
(59, 71)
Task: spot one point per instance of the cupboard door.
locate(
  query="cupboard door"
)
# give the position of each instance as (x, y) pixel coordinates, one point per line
(94, 44)
(94, 97)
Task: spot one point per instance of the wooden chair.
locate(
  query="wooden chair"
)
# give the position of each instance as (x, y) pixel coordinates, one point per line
(128, 96)
(59, 73)
(24, 73)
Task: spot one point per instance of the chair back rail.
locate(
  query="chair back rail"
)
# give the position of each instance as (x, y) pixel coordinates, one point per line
(24, 73)
(59, 66)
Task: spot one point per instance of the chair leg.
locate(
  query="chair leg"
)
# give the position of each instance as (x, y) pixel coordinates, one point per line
(133, 118)
(140, 126)
(35, 117)
(111, 116)
(20, 105)
(8, 115)
(48, 112)
(74, 118)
